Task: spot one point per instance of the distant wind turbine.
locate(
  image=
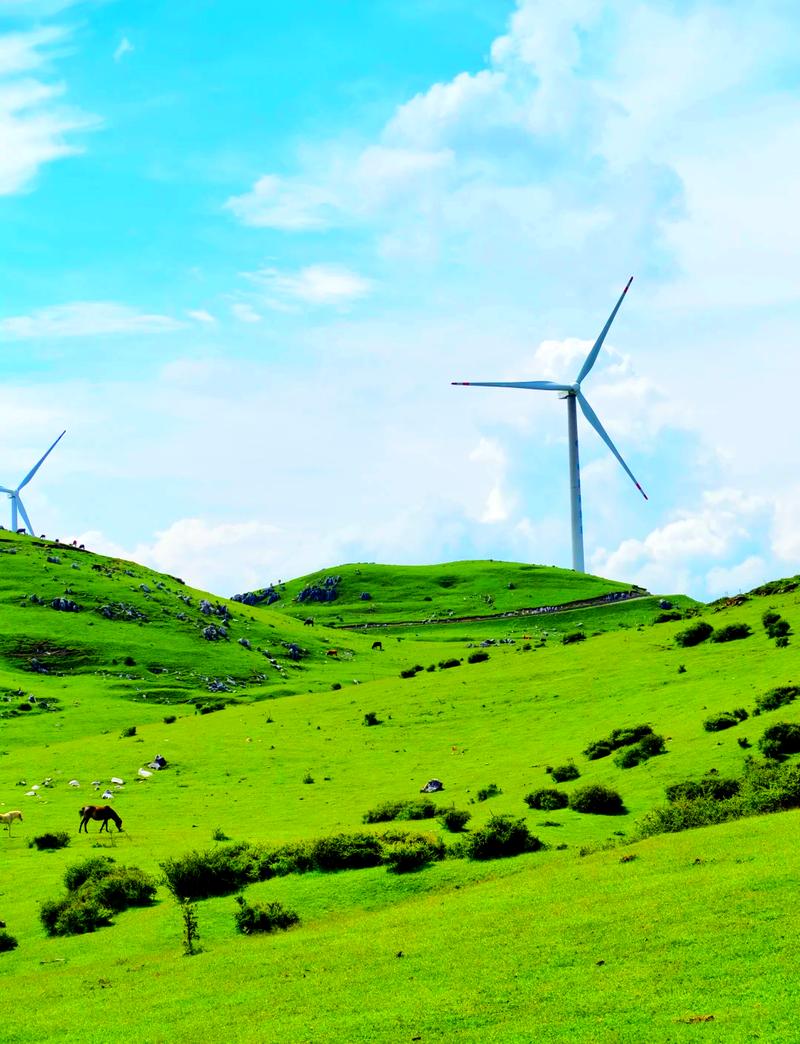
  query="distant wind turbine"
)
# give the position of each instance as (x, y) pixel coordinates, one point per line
(572, 393)
(16, 500)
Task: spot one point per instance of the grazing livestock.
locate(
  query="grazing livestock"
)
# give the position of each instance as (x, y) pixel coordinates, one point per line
(9, 817)
(101, 812)
(378, 646)
(331, 652)
(309, 621)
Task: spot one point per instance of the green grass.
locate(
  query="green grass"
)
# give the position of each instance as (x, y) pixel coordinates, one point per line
(698, 923)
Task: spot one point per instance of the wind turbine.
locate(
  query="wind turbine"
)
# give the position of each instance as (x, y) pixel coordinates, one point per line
(16, 500)
(573, 394)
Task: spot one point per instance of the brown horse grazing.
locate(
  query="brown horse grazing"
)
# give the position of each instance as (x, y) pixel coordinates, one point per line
(101, 812)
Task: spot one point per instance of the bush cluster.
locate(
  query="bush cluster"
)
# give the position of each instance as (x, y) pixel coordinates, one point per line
(648, 747)
(478, 657)
(96, 889)
(547, 799)
(454, 819)
(445, 664)
(618, 738)
(417, 808)
(597, 800)
(488, 792)
(777, 697)
(7, 941)
(765, 787)
(501, 837)
(725, 720)
(776, 627)
(262, 917)
(732, 632)
(410, 852)
(564, 773)
(694, 634)
(50, 842)
(780, 740)
(574, 636)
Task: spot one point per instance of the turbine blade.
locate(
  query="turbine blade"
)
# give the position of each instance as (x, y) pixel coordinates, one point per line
(598, 344)
(25, 518)
(531, 385)
(36, 467)
(4, 490)
(593, 419)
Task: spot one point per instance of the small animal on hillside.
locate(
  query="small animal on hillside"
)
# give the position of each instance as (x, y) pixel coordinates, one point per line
(331, 652)
(309, 621)
(9, 817)
(101, 812)
(378, 645)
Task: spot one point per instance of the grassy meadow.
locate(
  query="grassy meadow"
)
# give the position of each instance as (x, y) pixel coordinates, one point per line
(597, 937)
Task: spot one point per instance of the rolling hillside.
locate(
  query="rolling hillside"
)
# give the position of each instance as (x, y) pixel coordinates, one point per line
(604, 934)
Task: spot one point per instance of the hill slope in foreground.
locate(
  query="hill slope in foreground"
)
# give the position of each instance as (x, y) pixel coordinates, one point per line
(611, 930)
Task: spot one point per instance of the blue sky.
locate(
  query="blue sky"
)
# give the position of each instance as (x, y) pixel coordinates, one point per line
(246, 251)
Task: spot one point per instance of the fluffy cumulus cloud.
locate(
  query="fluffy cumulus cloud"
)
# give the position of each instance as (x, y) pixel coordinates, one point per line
(314, 285)
(36, 124)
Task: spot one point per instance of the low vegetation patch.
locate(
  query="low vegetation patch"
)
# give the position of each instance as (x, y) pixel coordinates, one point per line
(732, 632)
(478, 657)
(547, 799)
(598, 800)
(96, 889)
(50, 842)
(619, 738)
(7, 941)
(694, 634)
(564, 773)
(503, 836)
(263, 917)
(725, 720)
(417, 808)
(573, 637)
(409, 853)
(777, 697)
(780, 740)
(454, 819)
(488, 792)
(648, 747)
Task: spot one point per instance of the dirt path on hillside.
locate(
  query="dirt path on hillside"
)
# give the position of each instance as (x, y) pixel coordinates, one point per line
(541, 610)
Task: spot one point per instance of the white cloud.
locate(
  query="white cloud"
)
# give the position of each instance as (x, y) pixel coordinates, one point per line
(245, 313)
(289, 205)
(83, 319)
(123, 47)
(200, 315)
(35, 125)
(315, 284)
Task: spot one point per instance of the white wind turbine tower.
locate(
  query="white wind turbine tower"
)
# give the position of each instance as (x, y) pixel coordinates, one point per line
(572, 393)
(16, 500)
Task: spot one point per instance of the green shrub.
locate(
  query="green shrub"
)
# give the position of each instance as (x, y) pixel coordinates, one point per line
(478, 657)
(501, 837)
(124, 887)
(346, 852)
(780, 696)
(668, 617)
(618, 738)
(73, 915)
(715, 788)
(445, 664)
(7, 941)
(454, 819)
(770, 617)
(92, 868)
(413, 853)
(780, 740)
(488, 792)
(597, 800)
(371, 718)
(50, 842)
(170, 719)
(410, 672)
(694, 634)
(780, 629)
(732, 632)
(565, 773)
(126, 733)
(418, 808)
(217, 871)
(263, 917)
(781, 642)
(547, 800)
(725, 720)
(575, 636)
(648, 747)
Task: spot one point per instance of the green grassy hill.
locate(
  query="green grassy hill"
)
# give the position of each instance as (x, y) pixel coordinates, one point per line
(378, 594)
(596, 937)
